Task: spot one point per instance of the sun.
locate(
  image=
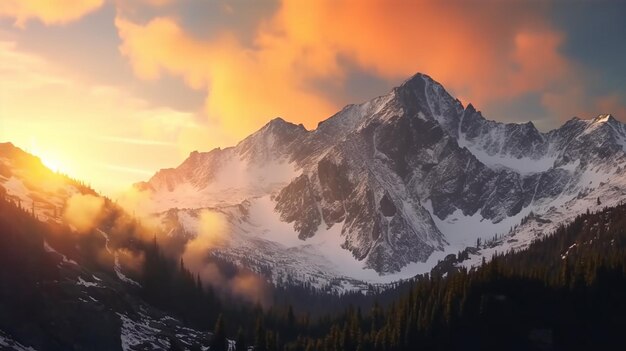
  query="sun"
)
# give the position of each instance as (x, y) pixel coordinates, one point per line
(47, 156)
(52, 163)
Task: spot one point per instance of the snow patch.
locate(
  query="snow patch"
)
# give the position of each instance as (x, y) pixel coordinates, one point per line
(462, 231)
(106, 238)
(117, 267)
(522, 165)
(137, 333)
(86, 284)
(120, 275)
(146, 332)
(50, 249)
(7, 342)
(235, 181)
(16, 187)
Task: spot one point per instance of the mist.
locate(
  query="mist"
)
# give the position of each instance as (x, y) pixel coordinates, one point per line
(214, 232)
(84, 212)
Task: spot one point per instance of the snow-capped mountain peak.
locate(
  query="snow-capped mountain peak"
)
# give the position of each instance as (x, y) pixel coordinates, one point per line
(391, 184)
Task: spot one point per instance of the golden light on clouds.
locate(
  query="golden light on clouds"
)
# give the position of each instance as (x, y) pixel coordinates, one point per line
(300, 60)
(101, 134)
(84, 212)
(213, 231)
(50, 161)
(47, 11)
(464, 47)
(247, 88)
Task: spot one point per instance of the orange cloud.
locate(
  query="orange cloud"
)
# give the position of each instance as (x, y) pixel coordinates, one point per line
(47, 11)
(84, 212)
(612, 104)
(483, 51)
(572, 100)
(157, 3)
(246, 87)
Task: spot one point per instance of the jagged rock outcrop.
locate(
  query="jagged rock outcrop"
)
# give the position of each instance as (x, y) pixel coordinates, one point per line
(392, 171)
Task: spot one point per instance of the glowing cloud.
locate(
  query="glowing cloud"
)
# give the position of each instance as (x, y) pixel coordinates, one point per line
(47, 11)
(84, 212)
(213, 232)
(247, 87)
(109, 157)
(251, 287)
(482, 51)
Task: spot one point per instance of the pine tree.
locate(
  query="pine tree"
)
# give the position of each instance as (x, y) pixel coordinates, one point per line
(240, 343)
(291, 322)
(219, 342)
(271, 341)
(199, 284)
(260, 343)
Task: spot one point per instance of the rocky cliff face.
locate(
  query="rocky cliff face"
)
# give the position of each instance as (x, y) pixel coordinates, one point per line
(399, 178)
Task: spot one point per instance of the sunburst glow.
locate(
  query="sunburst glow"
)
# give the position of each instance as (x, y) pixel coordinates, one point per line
(54, 164)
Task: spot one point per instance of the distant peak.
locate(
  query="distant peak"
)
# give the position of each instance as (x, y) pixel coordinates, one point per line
(275, 128)
(277, 120)
(422, 84)
(420, 76)
(416, 81)
(7, 146)
(575, 121)
(603, 118)
(278, 123)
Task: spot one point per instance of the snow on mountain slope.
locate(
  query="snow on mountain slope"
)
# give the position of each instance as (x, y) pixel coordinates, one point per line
(255, 167)
(81, 288)
(235, 181)
(7, 343)
(26, 180)
(383, 189)
(596, 188)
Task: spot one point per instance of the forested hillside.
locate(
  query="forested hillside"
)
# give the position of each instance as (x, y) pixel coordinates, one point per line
(565, 292)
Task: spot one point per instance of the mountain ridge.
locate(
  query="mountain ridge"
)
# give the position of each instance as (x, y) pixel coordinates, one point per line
(397, 172)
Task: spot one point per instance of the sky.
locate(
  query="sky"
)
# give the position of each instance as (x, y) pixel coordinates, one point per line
(110, 91)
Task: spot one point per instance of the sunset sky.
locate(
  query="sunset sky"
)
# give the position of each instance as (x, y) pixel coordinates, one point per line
(109, 91)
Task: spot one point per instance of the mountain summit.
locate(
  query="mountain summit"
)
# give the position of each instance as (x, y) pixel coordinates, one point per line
(383, 189)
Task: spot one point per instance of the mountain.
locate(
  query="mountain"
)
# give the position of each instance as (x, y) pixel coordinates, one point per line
(112, 287)
(380, 191)
(384, 189)
(68, 287)
(25, 180)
